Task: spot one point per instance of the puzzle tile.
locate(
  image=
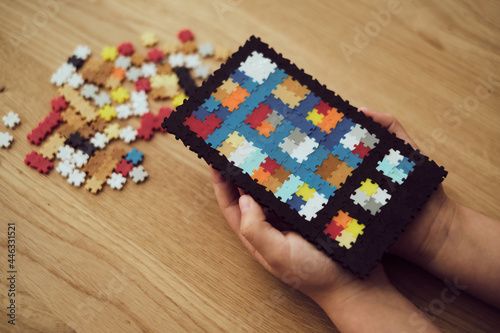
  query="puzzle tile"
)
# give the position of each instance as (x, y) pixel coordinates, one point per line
(11, 120)
(5, 139)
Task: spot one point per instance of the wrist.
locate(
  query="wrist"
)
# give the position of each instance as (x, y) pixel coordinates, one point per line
(425, 238)
(371, 305)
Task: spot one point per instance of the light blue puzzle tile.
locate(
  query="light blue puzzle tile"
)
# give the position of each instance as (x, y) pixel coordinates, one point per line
(253, 162)
(398, 175)
(385, 167)
(288, 188)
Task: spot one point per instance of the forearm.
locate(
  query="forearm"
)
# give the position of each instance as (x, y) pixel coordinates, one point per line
(378, 308)
(470, 255)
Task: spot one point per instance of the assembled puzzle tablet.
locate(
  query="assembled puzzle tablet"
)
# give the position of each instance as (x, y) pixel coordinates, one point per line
(340, 179)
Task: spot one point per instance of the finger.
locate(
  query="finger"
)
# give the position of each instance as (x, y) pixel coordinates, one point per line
(227, 196)
(391, 123)
(267, 241)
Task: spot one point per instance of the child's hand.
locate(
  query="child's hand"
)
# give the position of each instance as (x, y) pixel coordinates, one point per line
(377, 304)
(425, 235)
(287, 255)
(449, 240)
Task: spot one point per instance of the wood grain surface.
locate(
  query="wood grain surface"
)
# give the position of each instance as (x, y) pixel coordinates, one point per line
(159, 257)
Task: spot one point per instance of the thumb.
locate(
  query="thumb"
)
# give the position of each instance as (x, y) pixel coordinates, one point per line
(391, 123)
(266, 240)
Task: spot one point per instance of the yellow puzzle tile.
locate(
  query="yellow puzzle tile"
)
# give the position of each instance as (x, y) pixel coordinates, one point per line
(109, 53)
(235, 139)
(120, 95)
(354, 228)
(368, 187)
(179, 99)
(113, 131)
(315, 117)
(107, 112)
(305, 192)
(345, 239)
(149, 39)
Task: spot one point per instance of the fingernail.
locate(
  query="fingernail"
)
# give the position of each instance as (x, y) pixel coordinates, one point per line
(244, 203)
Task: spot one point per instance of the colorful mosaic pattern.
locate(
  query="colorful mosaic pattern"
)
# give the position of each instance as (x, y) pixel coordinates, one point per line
(346, 184)
(289, 140)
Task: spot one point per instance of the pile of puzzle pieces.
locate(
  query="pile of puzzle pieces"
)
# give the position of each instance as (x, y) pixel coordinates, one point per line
(344, 182)
(97, 94)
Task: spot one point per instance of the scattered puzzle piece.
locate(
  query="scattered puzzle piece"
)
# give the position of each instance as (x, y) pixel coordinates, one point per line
(84, 112)
(11, 120)
(116, 181)
(44, 128)
(76, 178)
(51, 146)
(38, 162)
(5, 139)
(134, 156)
(138, 174)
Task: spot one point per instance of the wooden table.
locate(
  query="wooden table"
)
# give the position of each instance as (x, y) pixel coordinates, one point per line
(159, 256)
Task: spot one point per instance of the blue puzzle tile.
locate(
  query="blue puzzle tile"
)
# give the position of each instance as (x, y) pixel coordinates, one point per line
(211, 104)
(201, 113)
(240, 78)
(306, 105)
(406, 165)
(295, 202)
